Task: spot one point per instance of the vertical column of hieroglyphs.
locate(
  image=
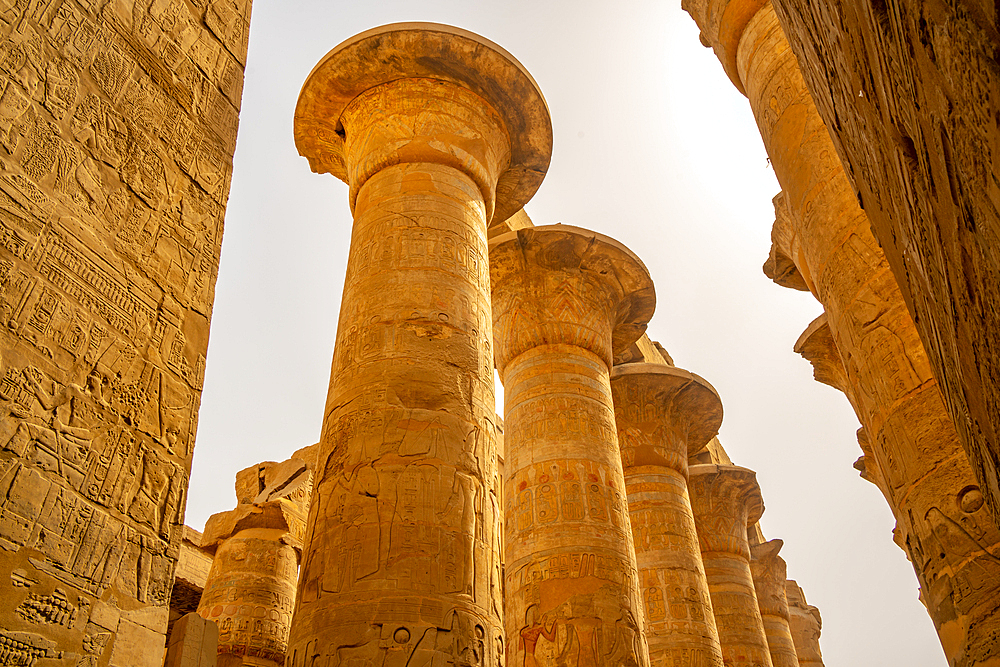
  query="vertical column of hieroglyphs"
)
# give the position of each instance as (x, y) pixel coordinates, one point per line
(806, 624)
(565, 300)
(769, 576)
(664, 415)
(117, 128)
(250, 590)
(725, 500)
(929, 483)
(437, 131)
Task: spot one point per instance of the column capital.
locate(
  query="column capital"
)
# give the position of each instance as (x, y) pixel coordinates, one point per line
(769, 574)
(722, 23)
(817, 346)
(273, 500)
(665, 414)
(559, 284)
(423, 57)
(725, 499)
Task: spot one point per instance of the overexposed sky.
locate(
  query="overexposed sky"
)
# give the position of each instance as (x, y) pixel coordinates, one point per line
(653, 147)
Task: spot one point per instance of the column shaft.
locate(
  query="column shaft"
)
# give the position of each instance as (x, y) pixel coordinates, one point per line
(769, 573)
(408, 438)
(402, 564)
(249, 593)
(568, 556)
(662, 414)
(562, 297)
(931, 486)
(725, 500)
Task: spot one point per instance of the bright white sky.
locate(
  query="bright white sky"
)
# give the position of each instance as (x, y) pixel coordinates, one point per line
(653, 147)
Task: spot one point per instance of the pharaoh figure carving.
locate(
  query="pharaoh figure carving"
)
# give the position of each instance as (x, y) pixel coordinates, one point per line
(438, 132)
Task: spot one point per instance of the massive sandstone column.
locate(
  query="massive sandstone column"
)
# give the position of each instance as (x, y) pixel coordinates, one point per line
(565, 300)
(769, 576)
(726, 499)
(436, 131)
(250, 589)
(823, 232)
(664, 415)
(805, 624)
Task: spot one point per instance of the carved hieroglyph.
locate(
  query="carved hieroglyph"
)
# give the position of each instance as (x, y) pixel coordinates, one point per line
(920, 136)
(769, 576)
(806, 624)
(725, 500)
(913, 445)
(117, 126)
(565, 300)
(437, 131)
(250, 590)
(664, 415)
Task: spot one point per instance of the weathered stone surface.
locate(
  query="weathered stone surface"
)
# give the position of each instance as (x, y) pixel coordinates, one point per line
(769, 576)
(664, 414)
(806, 624)
(914, 449)
(193, 566)
(563, 300)
(117, 128)
(437, 132)
(250, 589)
(919, 135)
(726, 500)
(193, 642)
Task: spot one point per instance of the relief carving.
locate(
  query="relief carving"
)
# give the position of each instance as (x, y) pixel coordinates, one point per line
(109, 242)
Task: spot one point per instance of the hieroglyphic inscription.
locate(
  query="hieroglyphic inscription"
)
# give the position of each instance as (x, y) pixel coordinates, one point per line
(117, 126)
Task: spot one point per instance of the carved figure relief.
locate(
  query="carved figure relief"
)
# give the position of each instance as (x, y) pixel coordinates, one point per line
(109, 240)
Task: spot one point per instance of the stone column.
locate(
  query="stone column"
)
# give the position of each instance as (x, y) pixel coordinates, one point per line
(931, 486)
(664, 415)
(725, 500)
(769, 574)
(437, 131)
(806, 624)
(565, 300)
(250, 589)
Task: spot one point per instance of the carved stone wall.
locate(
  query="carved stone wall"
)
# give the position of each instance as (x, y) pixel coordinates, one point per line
(117, 127)
(911, 93)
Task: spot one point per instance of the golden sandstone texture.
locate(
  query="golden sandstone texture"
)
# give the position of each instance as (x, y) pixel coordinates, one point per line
(437, 132)
(866, 344)
(913, 92)
(117, 126)
(607, 526)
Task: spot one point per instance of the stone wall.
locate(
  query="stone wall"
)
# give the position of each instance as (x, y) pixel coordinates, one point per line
(117, 128)
(911, 94)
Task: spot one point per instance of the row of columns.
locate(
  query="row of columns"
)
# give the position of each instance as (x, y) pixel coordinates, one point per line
(617, 553)
(866, 343)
